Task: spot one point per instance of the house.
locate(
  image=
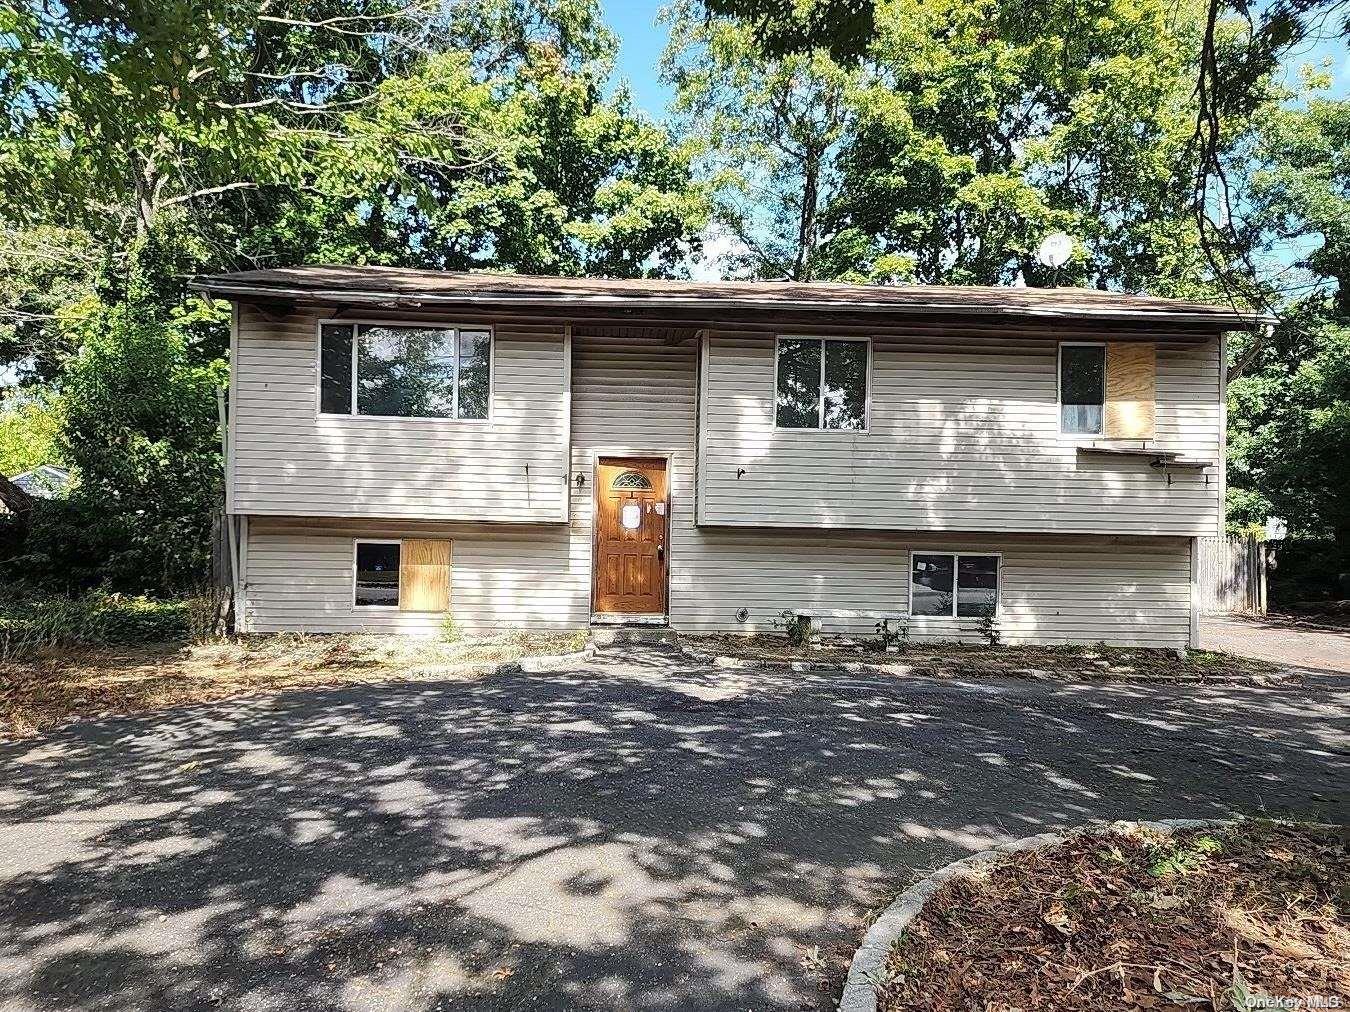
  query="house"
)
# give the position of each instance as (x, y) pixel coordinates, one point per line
(46, 481)
(550, 453)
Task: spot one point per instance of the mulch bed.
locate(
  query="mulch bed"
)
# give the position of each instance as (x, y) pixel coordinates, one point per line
(955, 660)
(1205, 919)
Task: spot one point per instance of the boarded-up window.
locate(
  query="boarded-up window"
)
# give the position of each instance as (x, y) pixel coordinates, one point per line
(424, 583)
(1131, 389)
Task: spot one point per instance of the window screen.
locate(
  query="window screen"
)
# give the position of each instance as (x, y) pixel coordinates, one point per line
(405, 372)
(964, 586)
(798, 384)
(408, 372)
(475, 352)
(821, 384)
(335, 368)
(377, 574)
(1082, 387)
(845, 385)
(976, 586)
(931, 585)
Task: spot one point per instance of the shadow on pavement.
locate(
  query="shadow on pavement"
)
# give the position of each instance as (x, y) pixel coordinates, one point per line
(640, 834)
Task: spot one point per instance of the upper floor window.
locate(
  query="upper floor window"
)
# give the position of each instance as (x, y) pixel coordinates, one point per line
(821, 384)
(1082, 388)
(404, 371)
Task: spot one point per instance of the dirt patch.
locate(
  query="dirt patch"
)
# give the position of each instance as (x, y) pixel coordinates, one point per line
(1198, 920)
(62, 685)
(953, 660)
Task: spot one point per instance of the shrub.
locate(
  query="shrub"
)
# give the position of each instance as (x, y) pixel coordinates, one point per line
(37, 621)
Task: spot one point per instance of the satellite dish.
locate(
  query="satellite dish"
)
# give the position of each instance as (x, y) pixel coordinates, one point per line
(1055, 250)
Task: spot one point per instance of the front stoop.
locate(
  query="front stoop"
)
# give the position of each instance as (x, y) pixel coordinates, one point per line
(608, 636)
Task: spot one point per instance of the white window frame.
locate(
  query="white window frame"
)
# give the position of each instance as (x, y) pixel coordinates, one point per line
(956, 582)
(357, 324)
(1059, 389)
(820, 399)
(356, 546)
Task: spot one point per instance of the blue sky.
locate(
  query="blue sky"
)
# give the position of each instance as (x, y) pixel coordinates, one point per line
(642, 41)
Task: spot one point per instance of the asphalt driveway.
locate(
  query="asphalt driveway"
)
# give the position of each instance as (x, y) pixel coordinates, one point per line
(1277, 639)
(640, 834)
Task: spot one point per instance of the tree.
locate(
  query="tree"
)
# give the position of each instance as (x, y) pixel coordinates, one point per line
(985, 126)
(767, 131)
(1290, 409)
(30, 426)
(141, 432)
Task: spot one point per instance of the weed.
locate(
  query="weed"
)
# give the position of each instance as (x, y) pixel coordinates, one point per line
(796, 627)
(1170, 858)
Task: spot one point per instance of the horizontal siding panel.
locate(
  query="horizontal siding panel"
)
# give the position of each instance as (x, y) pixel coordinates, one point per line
(299, 577)
(289, 461)
(957, 441)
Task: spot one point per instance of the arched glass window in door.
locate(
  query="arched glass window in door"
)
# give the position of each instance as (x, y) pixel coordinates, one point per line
(632, 480)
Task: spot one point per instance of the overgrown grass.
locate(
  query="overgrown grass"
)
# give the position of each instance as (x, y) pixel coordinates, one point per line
(52, 686)
(32, 621)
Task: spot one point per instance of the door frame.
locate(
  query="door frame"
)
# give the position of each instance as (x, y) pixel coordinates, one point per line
(607, 453)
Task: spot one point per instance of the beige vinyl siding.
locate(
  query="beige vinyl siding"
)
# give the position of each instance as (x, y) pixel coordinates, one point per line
(299, 577)
(962, 437)
(633, 397)
(638, 396)
(289, 460)
(1128, 591)
(1133, 592)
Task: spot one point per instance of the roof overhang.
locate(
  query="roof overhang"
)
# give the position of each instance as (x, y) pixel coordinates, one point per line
(713, 307)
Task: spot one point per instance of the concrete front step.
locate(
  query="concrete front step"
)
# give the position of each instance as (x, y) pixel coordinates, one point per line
(608, 636)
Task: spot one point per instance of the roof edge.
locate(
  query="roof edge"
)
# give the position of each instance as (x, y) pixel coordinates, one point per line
(1218, 319)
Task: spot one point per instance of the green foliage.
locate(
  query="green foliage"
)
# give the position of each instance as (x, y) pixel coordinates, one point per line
(983, 127)
(1168, 858)
(765, 132)
(141, 431)
(450, 630)
(797, 628)
(1289, 419)
(30, 426)
(31, 621)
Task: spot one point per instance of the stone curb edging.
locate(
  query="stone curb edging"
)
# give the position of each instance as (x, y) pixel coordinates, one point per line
(545, 662)
(870, 959)
(728, 662)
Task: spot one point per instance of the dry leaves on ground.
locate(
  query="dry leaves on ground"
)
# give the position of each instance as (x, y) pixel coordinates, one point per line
(63, 685)
(1197, 921)
(951, 660)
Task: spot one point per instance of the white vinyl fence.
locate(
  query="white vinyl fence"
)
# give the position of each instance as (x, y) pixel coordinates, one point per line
(1231, 574)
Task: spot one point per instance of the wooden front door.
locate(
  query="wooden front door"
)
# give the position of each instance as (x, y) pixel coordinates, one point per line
(631, 521)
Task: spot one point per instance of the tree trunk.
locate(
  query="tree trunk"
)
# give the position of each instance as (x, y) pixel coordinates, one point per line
(803, 267)
(15, 500)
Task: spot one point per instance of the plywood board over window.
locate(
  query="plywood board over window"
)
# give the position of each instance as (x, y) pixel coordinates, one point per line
(424, 576)
(1131, 389)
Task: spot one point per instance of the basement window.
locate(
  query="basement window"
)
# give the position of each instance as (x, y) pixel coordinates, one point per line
(395, 371)
(377, 574)
(953, 584)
